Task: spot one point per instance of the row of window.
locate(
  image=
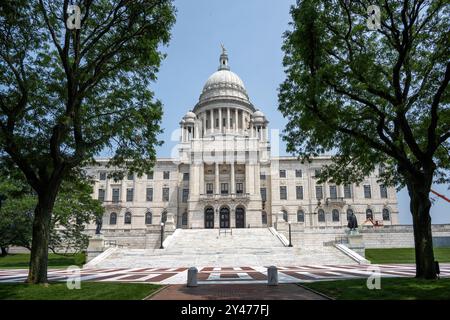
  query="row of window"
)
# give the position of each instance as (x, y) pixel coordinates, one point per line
(127, 218)
(335, 215)
(130, 176)
(347, 192)
(148, 196)
(224, 188)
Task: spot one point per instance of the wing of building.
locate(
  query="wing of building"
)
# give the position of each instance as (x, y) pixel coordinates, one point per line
(225, 177)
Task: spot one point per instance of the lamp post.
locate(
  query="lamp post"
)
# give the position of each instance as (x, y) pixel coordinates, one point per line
(162, 235)
(290, 239)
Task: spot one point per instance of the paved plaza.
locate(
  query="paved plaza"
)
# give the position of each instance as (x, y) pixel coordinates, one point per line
(229, 275)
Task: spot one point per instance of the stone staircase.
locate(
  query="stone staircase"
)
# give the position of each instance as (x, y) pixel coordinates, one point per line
(206, 247)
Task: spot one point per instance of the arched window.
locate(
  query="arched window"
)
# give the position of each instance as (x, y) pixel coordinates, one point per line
(184, 219)
(335, 215)
(127, 219)
(300, 216)
(264, 217)
(349, 214)
(369, 214)
(321, 215)
(148, 218)
(285, 215)
(113, 218)
(386, 214)
(164, 217)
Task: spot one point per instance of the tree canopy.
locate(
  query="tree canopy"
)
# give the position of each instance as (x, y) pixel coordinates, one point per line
(370, 97)
(373, 96)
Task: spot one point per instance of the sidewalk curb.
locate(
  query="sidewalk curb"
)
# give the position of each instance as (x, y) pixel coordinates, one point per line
(156, 292)
(314, 291)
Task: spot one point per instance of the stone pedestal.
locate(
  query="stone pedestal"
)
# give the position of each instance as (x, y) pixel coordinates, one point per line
(95, 247)
(170, 226)
(356, 243)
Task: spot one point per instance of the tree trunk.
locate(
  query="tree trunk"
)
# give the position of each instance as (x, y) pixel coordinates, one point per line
(41, 231)
(420, 205)
(4, 252)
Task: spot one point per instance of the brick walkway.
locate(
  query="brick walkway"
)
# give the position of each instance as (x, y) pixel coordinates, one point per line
(236, 292)
(218, 275)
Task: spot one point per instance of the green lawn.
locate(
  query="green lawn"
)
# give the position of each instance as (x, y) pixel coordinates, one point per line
(403, 255)
(88, 291)
(391, 289)
(21, 260)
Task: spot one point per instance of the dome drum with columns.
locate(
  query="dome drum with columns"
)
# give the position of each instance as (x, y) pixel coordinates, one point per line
(223, 108)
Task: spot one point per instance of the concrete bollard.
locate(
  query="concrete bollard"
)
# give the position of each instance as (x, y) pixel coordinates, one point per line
(272, 276)
(192, 277)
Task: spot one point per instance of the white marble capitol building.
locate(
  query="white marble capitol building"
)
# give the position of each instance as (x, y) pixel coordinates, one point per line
(226, 177)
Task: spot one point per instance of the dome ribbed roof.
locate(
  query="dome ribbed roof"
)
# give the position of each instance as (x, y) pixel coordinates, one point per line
(224, 84)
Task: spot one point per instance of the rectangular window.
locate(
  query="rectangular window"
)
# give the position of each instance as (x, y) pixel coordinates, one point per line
(319, 192)
(347, 191)
(115, 195)
(224, 188)
(209, 188)
(298, 173)
(383, 191)
(282, 173)
(130, 176)
(166, 175)
(263, 194)
(149, 194)
(150, 176)
(185, 195)
(262, 176)
(165, 194)
(299, 192)
(101, 195)
(367, 192)
(102, 175)
(316, 172)
(130, 194)
(333, 192)
(283, 193)
(239, 187)
(217, 122)
(186, 176)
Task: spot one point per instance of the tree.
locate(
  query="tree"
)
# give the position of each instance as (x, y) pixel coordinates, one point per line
(67, 94)
(74, 209)
(373, 97)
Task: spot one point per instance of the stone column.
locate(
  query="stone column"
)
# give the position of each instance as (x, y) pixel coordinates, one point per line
(228, 120)
(220, 120)
(202, 178)
(233, 182)
(211, 114)
(204, 124)
(236, 120)
(216, 182)
(243, 122)
(182, 133)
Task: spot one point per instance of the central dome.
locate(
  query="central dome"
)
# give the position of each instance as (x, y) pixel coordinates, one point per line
(224, 84)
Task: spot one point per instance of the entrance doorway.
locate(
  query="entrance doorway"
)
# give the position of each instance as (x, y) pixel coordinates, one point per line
(240, 217)
(209, 218)
(224, 217)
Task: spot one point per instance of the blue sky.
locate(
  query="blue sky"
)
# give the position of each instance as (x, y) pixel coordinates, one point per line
(251, 31)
